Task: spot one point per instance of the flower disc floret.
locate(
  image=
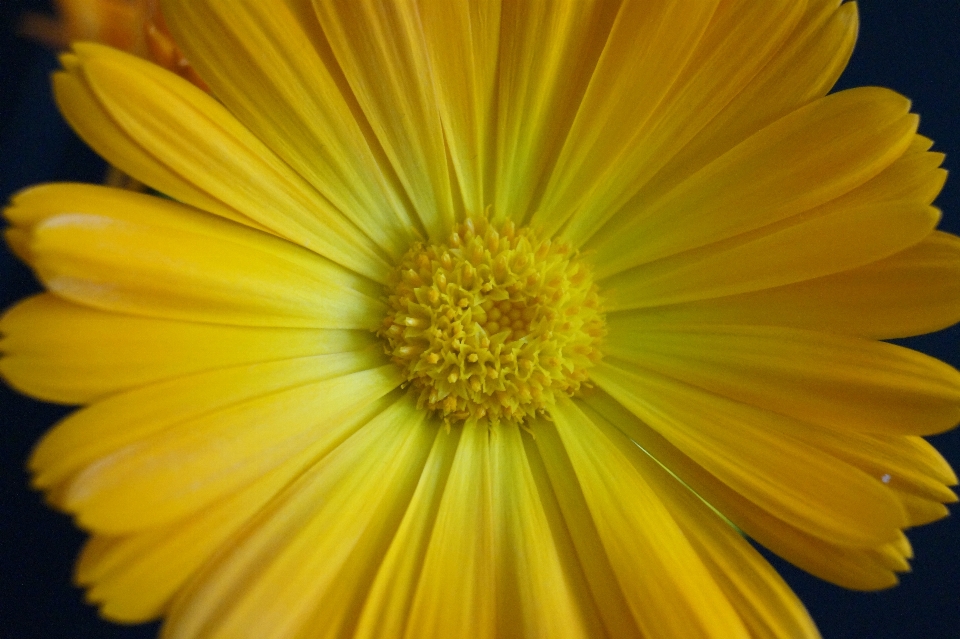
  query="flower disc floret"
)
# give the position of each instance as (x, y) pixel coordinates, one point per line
(494, 323)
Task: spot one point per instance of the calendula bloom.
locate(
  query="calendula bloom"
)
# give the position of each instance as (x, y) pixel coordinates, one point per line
(118, 23)
(470, 319)
(136, 26)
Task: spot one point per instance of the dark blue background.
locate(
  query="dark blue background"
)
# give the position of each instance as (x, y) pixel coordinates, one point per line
(911, 46)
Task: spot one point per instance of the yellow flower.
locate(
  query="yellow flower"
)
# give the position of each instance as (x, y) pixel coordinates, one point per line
(118, 23)
(136, 26)
(131, 25)
(482, 320)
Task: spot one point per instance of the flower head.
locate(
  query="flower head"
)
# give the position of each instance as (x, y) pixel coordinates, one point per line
(136, 26)
(488, 319)
(493, 323)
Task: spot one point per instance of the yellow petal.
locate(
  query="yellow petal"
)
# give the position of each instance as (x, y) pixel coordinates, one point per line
(456, 594)
(853, 567)
(148, 256)
(387, 605)
(752, 451)
(923, 456)
(920, 510)
(803, 69)
(804, 160)
(89, 119)
(186, 128)
(552, 467)
(112, 424)
(669, 590)
(894, 203)
(381, 50)
(189, 464)
(909, 293)
(64, 352)
(738, 41)
(763, 600)
(906, 464)
(530, 582)
(798, 249)
(304, 565)
(462, 41)
(535, 596)
(645, 52)
(838, 382)
(562, 530)
(916, 175)
(263, 62)
(858, 567)
(548, 51)
(134, 577)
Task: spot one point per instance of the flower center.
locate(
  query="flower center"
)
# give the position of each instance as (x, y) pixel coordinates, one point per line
(492, 324)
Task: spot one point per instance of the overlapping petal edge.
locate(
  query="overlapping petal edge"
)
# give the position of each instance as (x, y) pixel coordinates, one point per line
(246, 459)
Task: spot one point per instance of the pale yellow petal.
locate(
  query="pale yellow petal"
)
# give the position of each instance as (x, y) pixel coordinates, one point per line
(909, 184)
(260, 61)
(530, 582)
(457, 591)
(804, 160)
(133, 578)
(149, 256)
(835, 381)
(914, 291)
(187, 129)
(669, 590)
(381, 50)
(64, 352)
(304, 565)
(561, 529)
(752, 450)
(190, 464)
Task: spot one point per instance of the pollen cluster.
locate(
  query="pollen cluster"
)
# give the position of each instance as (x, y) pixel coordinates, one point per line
(494, 323)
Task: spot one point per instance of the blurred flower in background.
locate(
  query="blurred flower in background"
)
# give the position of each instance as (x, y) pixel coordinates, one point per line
(135, 26)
